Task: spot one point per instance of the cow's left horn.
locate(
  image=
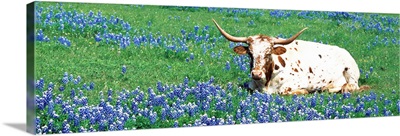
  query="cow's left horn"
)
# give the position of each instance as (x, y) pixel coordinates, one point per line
(287, 41)
(228, 36)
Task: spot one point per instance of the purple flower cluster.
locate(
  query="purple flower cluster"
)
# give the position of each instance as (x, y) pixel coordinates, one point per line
(205, 102)
(241, 62)
(280, 13)
(41, 37)
(237, 11)
(373, 22)
(64, 41)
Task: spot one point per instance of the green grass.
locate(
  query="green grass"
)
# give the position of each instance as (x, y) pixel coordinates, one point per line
(146, 65)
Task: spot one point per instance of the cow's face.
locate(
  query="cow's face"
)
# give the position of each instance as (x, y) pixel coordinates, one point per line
(259, 50)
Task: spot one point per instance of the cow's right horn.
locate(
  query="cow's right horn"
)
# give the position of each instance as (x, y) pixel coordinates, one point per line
(228, 36)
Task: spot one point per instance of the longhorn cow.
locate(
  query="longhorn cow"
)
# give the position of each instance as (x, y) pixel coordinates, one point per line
(292, 66)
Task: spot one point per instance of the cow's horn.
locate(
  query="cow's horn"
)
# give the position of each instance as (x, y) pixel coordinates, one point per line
(291, 39)
(228, 36)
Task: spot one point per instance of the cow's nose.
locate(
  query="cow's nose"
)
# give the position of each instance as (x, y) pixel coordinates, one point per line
(256, 74)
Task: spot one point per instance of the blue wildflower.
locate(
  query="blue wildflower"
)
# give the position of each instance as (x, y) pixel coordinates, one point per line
(175, 124)
(227, 65)
(97, 37)
(153, 117)
(398, 105)
(61, 88)
(91, 86)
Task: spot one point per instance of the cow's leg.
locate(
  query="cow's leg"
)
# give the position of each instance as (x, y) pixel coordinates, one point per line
(291, 90)
(299, 92)
(334, 90)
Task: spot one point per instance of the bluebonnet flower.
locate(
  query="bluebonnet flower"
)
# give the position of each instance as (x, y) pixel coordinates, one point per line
(313, 101)
(92, 120)
(346, 95)
(153, 117)
(103, 125)
(134, 107)
(386, 112)
(163, 114)
(61, 88)
(372, 95)
(40, 84)
(112, 127)
(120, 125)
(50, 107)
(140, 97)
(196, 28)
(227, 65)
(387, 102)
(149, 24)
(105, 26)
(398, 105)
(65, 127)
(51, 85)
(251, 23)
(91, 86)
(183, 32)
(41, 37)
(211, 80)
(71, 77)
(81, 129)
(97, 37)
(347, 108)
(238, 114)
(72, 93)
(176, 124)
(84, 86)
(61, 27)
(75, 81)
(80, 93)
(71, 116)
(76, 120)
(64, 41)
(109, 92)
(37, 121)
(51, 125)
(78, 79)
(186, 81)
(368, 112)
(376, 109)
(45, 129)
(159, 86)
(192, 109)
(84, 101)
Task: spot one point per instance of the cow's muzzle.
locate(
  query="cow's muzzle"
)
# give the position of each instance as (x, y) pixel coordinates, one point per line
(256, 74)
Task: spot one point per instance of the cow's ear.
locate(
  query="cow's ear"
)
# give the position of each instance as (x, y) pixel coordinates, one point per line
(241, 49)
(278, 50)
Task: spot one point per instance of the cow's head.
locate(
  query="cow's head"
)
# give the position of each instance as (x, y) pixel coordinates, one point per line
(260, 48)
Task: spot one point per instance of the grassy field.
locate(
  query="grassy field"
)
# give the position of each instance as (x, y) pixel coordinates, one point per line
(107, 67)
